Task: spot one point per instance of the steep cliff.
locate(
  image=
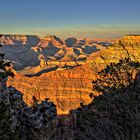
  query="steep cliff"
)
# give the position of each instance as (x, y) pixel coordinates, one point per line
(130, 40)
(66, 88)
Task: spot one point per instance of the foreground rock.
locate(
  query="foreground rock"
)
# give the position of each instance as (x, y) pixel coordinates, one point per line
(17, 120)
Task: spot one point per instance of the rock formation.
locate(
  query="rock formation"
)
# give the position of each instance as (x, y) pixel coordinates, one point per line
(130, 40)
(66, 88)
(17, 49)
(70, 42)
(24, 50)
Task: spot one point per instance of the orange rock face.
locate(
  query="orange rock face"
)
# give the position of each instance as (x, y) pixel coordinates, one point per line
(66, 88)
(131, 39)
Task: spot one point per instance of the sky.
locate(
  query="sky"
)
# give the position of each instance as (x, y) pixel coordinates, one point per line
(70, 18)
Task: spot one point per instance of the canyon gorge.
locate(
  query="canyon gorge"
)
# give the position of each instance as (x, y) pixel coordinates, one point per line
(63, 70)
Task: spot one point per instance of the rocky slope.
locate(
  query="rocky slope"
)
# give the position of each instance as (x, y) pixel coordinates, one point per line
(17, 49)
(68, 88)
(131, 40)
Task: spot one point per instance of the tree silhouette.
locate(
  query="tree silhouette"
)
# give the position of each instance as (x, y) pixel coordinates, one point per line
(116, 76)
(115, 114)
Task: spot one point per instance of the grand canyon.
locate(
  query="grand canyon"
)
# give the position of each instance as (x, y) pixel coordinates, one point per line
(70, 70)
(63, 71)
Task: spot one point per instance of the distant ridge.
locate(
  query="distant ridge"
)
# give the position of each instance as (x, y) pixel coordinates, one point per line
(17, 35)
(132, 35)
(25, 50)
